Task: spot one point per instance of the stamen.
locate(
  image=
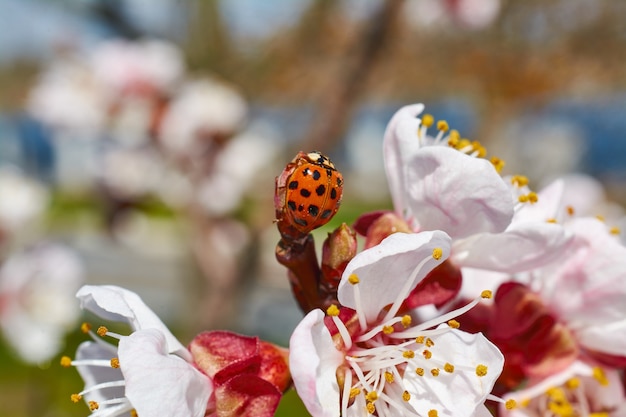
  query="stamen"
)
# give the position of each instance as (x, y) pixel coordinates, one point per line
(102, 331)
(448, 367)
(519, 180)
(433, 413)
(486, 294)
(427, 120)
(497, 163)
(427, 354)
(85, 327)
(454, 324)
(76, 398)
(600, 376)
(93, 405)
(570, 210)
(443, 125)
(434, 371)
(66, 361)
(419, 371)
(481, 370)
(454, 138)
(510, 404)
(406, 396)
(343, 331)
(115, 363)
(406, 321)
(437, 253)
(615, 230)
(353, 279)
(389, 377)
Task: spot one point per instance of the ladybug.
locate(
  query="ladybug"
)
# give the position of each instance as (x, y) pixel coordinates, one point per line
(308, 192)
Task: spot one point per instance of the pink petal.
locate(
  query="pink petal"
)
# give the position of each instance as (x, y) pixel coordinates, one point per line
(313, 360)
(159, 384)
(383, 270)
(246, 396)
(454, 192)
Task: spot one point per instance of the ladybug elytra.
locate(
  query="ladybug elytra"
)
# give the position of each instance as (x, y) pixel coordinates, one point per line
(308, 192)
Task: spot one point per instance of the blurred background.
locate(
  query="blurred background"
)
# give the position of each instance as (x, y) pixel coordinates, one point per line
(139, 141)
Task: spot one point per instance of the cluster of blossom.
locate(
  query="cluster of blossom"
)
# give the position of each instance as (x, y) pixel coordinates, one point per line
(398, 329)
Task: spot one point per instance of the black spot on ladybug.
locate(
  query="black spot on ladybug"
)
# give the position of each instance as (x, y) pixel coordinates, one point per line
(300, 207)
(329, 172)
(316, 175)
(326, 214)
(292, 205)
(339, 182)
(333, 193)
(301, 222)
(321, 159)
(293, 185)
(306, 172)
(304, 192)
(313, 210)
(320, 190)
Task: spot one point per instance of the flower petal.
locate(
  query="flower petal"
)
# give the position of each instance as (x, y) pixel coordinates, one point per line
(160, 384)
(118, 304)
(313, 361)
(400, 141)
(93, 375)
(520, 248)
(247, 396)
(462, 391)
(384, 269)
(462, 195)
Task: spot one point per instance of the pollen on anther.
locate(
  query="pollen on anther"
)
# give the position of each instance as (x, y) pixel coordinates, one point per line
(448, 367)
(371, 408)
(486, 294)
(371, 396)
(615, 230)
(551, 220)
(76, 398)
(406, 320)
(428, 120)
(497, 163)
(389, 377)
(388, 329)
(442, 125)
(600, 376)
(333, 310)
(481, 370)
(409, 354)
(437, 253)
(570, 210)
(427, 354)
(453, 138)
(419, 340)
(533, 197)
(93, 405)
(133, 413)
(433, 413)
(353, 279)
(115, 363)
(406, 397)
(519, 180)
(510, 404)
(85, 327)
(419, 371)
(429, 342)
(454, 324)
(601, 218)
(434, 371)
(102, 331)
(573, 383)
(66, 361)
(354, 392)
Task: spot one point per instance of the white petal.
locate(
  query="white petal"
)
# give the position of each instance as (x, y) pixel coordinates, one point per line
(454, 192)
(383, 270)
(458, 393)
(118, 304)
(313, 361)
(159, 384)
(548, 205)
(400, 141)
(520, 248)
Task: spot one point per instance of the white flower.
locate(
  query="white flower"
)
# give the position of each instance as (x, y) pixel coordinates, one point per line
(149, 371)
(21, 200)
(376, 360)
(37, 288)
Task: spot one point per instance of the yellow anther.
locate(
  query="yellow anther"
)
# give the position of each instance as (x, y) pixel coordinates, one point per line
(562, 408)
(354, 392)
(388, 329)
(570, 210)
(533, 197)
(428, 120)
(448, 367)
(443, 125)
(464, 143)
(406, 397)
(93, 405)
(115, 363)
(371, 396)
(479, 148)
(600, 376)
(434, 371)
(353, 279)
(556, 394)
(85, 327)
(481, 370)
(409, 354)
(497, 163)
(433, 413)
(427, 354)
(519, 180)
(66, 361)
(102, 331)
(371, 408)
(600, 414)
(406, 321)
(429, 342)
(551, 220)
(133, 413)
(486, 294)
(601, 218)
(389, 377)
(510, 404)
(523, 198)
(453, 138)
(437, 253)
(454, 324)
(419, 371)
(332, 310)
(615, 230)
(76, 398)
(419, 340)
(572, 383)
